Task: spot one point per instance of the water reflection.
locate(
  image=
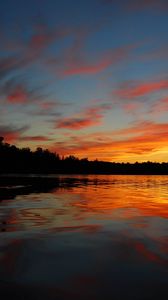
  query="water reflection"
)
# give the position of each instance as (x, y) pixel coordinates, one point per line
(89, 237)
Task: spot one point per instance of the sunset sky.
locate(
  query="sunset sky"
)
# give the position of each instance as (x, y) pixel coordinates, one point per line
(86, 78)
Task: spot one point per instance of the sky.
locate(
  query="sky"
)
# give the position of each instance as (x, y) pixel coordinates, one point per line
(86, 78)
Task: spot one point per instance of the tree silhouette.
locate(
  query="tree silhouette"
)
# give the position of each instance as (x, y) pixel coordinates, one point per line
(24, 160)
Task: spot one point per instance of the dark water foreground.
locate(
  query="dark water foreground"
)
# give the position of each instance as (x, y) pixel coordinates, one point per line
(84, 237)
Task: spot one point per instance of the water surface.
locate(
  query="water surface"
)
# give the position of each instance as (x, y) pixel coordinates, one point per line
(90, 237)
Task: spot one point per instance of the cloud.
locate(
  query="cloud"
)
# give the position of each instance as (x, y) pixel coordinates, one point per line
(37, 138)
(138, 89)
(147, 4)
(142, 141)
(131, 107)
(16, 90)
(75, 60)
(71, 61)
(19, 95)
(48, 109)
(160, 106)
(11, 133)
(29, 50)
(90, 116)
(157, 53)
(145, 127)
(77, 123)
(43, 36)
(9, 64)
(136, 5)
(86, 69)
(49, 105)
(94, 66)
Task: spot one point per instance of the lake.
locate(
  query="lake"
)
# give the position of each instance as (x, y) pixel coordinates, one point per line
(90, 237)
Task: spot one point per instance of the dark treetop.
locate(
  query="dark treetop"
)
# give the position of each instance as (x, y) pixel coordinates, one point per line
(16, 160)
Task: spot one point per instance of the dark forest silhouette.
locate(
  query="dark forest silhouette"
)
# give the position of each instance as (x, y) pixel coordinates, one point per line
(23, 160)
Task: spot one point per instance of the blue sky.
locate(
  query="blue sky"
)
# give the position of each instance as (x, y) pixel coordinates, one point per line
(87, 78)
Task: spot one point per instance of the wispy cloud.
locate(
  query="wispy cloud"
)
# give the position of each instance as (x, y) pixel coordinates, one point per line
(17, 90)
(147, 4)
(131, 107)
(43, 36)
(12, 133)
(19, 95)
(159, 107)
(102, 63)
(37, 138)
(22, 54)
(90, 116)
(75, 60)
(137, 5)
(138, 142)
(144, 127)
(134, 89)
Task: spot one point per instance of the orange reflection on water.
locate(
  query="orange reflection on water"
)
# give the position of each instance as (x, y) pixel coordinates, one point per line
(88, 231)
(149, 255)
(123, 196)
(88, 199)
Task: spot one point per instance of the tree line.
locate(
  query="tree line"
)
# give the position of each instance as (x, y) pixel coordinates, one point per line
(40, 161)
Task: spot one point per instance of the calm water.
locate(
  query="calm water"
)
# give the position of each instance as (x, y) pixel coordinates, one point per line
(93, 237)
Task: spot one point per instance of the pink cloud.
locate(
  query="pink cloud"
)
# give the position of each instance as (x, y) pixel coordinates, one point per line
(90, 69)
(138, 5)
(129, 144)
(43, 36)
(135, 89)
(37, 138)
(75, 61)
(12, 137)
(90, 116)
(12, 134)
(160, 106)
(157, 53)
(82, 66)
(77, 123)
(47, 105)
(141, 128)
(147, 4)
(132, 107)
(19, 95)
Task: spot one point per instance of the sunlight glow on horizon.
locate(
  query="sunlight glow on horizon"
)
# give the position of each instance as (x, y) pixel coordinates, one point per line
(88, 80)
